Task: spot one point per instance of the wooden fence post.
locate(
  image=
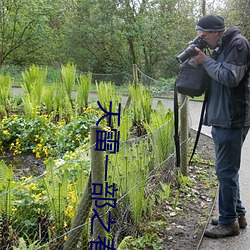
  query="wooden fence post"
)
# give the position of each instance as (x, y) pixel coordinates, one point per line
(184, 135)
(97, 173)
(135, 82)
(96, 176)
(80, 218)
(135, 74)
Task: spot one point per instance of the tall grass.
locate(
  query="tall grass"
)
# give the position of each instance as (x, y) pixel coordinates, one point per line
(5, 90)
(6, 197)
(83, 91)
(68, 74)
(106, 92)
(33, 86)
(161, 132)
(142, 109)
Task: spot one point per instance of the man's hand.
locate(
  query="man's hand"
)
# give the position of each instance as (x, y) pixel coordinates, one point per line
(200, 58)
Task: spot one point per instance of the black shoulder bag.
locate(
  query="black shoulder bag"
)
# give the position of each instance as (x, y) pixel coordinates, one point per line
(191, 81)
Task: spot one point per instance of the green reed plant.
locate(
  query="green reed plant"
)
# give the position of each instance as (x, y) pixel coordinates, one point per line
(56, 184)
(129, 170)
(68, 74)
(5, 90)
(106, 92)
(83, 91)
(125, 126)
(6, 184)
(48, 98)
(161, 132)
(141, 109)
(33, 85)
(62, 105)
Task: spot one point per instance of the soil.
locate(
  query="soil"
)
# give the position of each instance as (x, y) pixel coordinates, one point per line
(188, 221)
(25, 164)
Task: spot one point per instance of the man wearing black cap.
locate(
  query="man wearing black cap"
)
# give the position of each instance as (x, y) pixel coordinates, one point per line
(228, 112)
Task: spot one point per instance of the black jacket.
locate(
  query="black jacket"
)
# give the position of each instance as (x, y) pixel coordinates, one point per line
(229, 90)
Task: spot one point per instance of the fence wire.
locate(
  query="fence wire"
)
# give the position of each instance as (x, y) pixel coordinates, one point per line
(56, 205)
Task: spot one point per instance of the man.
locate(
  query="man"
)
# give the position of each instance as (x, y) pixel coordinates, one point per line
(228, 112)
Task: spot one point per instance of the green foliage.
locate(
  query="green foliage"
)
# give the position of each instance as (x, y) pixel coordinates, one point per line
(164, 191)
(56, 187)
(142, 109)
(48, 98)
(30, 206)
(103, 36)
(23, 25)
(106, 92)
(147, 241)
(5, 90)
(129, 170)
(29, 245)
(6, 184)
(33, 85)
(43, 137)
(68, 74)
(83, 91)
(161, 128)
(125, 126)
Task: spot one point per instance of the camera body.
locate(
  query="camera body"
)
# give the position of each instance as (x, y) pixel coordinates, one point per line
(190, 51)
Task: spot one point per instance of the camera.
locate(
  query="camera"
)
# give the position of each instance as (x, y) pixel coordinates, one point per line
(190, 51)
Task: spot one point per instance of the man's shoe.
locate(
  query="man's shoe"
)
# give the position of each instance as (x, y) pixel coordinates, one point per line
(221, 231)
(241, 219)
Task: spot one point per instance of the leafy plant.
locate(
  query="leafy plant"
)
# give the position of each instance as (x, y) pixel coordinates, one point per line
(106, 95)
(147, 241)
(164, 191)
(142, 109)
(161, 129)
(68, 74)
(30, 208)
(6, 184)
(129, 170)
(5, 90)
(34, 81)
(48, 98)
(83, 91)
(22, 245)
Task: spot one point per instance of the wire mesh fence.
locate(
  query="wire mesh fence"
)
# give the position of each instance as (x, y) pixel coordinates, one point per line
(57, 209)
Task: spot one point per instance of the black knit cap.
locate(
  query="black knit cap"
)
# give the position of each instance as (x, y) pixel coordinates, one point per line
(210, 23)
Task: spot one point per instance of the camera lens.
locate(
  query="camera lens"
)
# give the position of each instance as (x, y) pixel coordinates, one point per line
(187, 53)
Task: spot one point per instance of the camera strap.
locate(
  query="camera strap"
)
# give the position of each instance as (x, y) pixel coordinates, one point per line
(176, 126)
(199, 127)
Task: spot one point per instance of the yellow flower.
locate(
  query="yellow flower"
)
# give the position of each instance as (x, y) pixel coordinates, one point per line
(37, 196)
(73, 199)
(69, 211)
(6, 132)
(38, 156)
(14, 209)
(31, 187)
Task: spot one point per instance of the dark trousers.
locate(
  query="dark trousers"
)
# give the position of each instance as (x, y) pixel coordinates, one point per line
(228, 145)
